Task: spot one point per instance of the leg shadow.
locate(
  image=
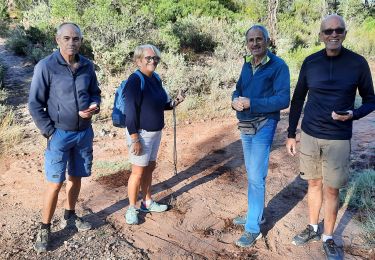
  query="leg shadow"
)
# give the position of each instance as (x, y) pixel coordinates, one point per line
(281, 204)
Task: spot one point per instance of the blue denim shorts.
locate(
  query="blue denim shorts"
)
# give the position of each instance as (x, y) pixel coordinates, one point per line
(72, 149)
(150, 146)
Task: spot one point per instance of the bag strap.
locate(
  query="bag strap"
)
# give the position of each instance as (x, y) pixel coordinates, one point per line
(139, 74)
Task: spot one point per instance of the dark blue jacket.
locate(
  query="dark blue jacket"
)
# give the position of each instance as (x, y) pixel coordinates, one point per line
(144, 109)
(268, 89)
(56, 94)
(331, 83)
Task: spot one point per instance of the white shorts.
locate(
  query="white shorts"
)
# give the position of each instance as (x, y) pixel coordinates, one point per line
(150, 145)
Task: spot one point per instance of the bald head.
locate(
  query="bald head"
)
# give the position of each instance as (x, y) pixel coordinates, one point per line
(328, 18)
(65, 26)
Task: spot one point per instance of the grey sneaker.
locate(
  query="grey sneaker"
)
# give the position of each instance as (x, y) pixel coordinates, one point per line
(331, 250)
(42, 240)
(75, 221)
(307, 235)
(154, 207)
(131, 216)
(248, 239)
(241, 220)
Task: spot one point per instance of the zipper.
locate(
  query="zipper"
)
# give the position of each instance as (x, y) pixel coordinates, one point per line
(75, 94)
(58, 113)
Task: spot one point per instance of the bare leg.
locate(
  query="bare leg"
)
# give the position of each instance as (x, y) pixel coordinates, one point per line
(331, 204)
(315, 199)
(147, 180)
(50, 201)
(73, 187)
(134, 183)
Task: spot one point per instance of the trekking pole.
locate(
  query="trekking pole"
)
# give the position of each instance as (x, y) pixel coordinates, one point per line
(174, 140)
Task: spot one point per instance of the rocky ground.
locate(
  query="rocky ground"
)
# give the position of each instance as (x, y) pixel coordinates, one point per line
(206, 194)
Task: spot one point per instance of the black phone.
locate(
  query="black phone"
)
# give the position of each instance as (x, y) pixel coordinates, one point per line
(342, 113)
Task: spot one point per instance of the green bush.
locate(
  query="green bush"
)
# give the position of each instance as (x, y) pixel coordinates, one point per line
(361, 38)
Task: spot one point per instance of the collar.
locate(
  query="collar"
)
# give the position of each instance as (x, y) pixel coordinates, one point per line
(250, 58)
(60, 59)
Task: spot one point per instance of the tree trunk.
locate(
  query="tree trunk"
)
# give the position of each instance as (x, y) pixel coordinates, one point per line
(272, 20)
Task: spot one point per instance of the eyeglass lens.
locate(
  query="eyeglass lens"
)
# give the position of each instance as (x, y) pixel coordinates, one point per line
(337, 30)
(154, 58)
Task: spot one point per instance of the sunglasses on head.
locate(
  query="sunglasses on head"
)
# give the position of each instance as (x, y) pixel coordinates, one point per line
(337, 31)
(154, 58)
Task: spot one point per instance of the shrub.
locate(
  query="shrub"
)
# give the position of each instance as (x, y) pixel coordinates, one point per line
(360, 195)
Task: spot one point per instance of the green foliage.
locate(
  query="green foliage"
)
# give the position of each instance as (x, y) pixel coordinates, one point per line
(298, 26)
(362, 38)
(4, 10)
(32, 42)
(190, 31)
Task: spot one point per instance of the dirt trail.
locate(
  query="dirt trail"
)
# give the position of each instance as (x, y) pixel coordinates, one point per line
(206, 194)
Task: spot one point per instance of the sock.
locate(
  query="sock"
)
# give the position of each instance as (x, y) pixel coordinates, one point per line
(326, 237)
(45, 226)
(315, 226)
(147, 203)
(68, 213)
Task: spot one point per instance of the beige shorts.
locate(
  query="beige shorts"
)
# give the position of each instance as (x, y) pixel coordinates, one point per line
(327, 159)
(150, 146)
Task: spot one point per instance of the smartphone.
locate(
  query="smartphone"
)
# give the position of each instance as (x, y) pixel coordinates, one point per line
(342, 113)
(90, 109)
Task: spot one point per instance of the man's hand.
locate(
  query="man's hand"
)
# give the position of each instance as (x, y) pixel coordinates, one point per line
(291, 146)
(237, 104)
(342, 117)
(87, 114)
(245, 102)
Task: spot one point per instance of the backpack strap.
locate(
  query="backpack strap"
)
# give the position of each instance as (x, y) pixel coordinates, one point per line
(139, 74)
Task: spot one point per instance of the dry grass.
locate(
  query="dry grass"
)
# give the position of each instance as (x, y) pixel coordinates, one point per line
(11, 134)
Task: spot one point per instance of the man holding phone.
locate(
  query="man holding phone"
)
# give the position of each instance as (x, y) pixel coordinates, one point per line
(64, 94)
(331, 78)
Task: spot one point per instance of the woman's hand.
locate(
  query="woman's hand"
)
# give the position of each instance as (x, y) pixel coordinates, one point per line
(180, 97)
(136, 148)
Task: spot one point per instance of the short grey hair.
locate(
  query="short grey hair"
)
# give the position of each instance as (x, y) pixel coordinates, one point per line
(139, 50)
(61, 26)
(332, 16)
(260, 28)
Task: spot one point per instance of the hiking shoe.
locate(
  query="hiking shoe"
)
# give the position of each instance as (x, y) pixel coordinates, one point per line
(154, 207)
(75, 221)
(331, 250)
(306, 236)
(131, 216)
(42, 240)
(248, 239)
(241, 220)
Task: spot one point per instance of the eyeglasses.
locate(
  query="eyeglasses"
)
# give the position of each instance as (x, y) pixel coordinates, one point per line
(156, 59)
(336, 30)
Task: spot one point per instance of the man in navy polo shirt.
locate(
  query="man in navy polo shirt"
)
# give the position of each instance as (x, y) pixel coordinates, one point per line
(330, 78)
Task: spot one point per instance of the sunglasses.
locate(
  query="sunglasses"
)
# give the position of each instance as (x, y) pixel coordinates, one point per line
(337, 31)
(156, 59)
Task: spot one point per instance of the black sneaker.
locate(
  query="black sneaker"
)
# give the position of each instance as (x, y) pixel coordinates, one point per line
(75, 221)
(42, 240)
(331, 250)
(307, 235)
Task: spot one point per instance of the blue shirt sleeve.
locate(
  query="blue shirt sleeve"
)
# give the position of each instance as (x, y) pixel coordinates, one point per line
(38, 97)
